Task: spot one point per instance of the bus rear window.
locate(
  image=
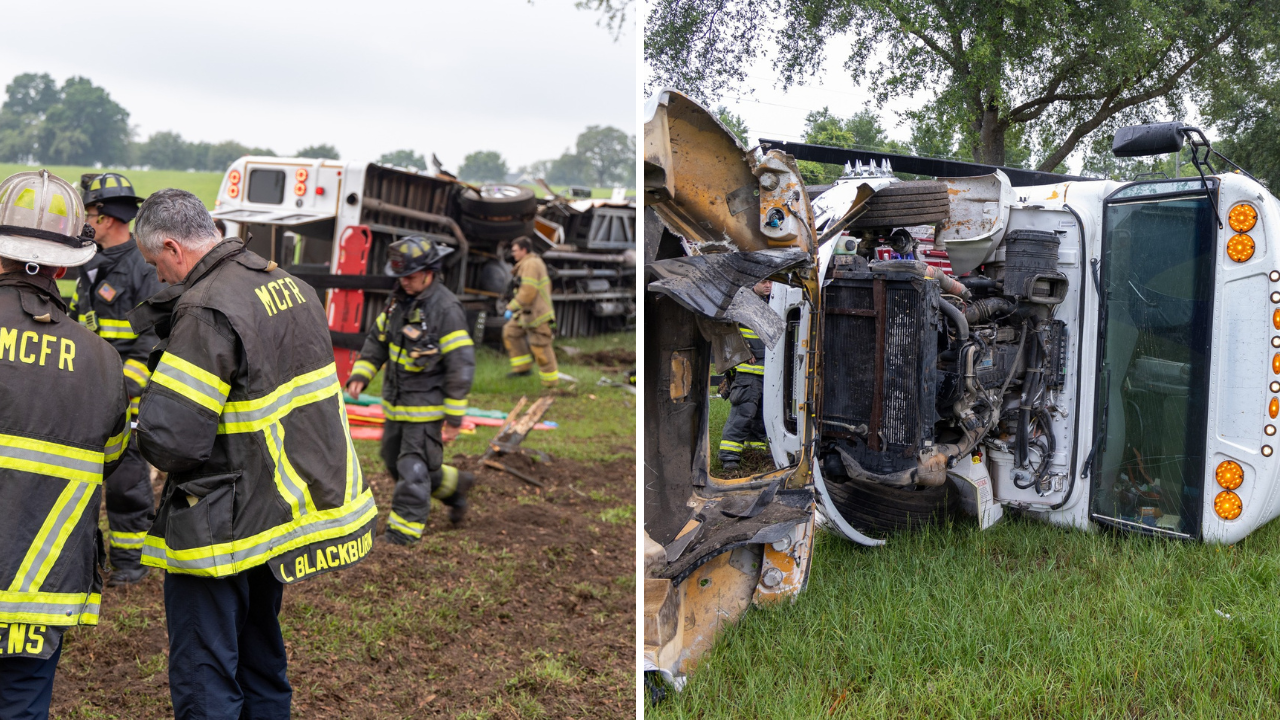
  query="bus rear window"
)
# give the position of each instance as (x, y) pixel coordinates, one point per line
(266, 186)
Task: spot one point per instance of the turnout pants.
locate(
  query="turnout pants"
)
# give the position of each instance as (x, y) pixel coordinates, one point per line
(26, 686)
(524, 345)
(745, 426)
(226, 655)
(130, 507)
(414, 456)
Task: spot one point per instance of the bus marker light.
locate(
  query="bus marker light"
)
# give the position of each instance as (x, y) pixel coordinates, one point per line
(1229, 474)
(1266, 451)
(1240, 248)
(1269, 430)
(1275, 318)
(233, 191)
(1242, 218)
(300, 175)
(1274, 408)
(300, 189)
(1275, 276)
(1227, 504)
(234, 177)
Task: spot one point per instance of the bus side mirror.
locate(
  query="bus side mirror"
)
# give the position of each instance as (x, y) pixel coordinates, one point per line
(1146, 140)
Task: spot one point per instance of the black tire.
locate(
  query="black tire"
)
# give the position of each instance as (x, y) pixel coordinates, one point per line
(915, 202)
(496, 230)
(499, 202)
(878, 509)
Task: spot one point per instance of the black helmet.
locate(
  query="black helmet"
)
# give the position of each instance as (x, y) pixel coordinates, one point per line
(410, 254)
(112, 193)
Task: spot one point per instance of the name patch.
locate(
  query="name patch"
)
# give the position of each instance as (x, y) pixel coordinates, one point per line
(323, 558)
(23, 640)
(34, 348)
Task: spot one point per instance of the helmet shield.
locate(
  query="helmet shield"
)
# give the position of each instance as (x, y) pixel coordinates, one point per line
(410, 254)
(41, 220)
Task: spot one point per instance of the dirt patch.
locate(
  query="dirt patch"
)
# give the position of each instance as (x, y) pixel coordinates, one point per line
(617, 358)
(527, 610)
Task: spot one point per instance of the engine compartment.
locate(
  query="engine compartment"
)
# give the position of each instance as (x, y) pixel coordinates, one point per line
(923, 369)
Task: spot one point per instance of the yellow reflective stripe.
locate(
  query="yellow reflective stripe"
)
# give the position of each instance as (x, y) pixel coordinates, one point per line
(400, 357)
(355, 478)
(757, 445)
(413, 413)
(52, 536)
(411, 529)
(230, 558)
(748, 333)
(519, 360)
(751, 369)
(455, 408)
(364, 369)
(128, 540)
(116, 445)
(544, 317)
(549, 376)
(133, 407)
(292, 488)
(137, 372)
(52, 459)
(730, 445)
(454, 340)
(528, 280)
(448, 482)
(115, 329)
(253, 415)
(381, 322)
(191, 382)
(46, 608)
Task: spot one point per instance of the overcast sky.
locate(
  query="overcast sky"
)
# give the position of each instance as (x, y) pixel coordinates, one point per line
(368, 77)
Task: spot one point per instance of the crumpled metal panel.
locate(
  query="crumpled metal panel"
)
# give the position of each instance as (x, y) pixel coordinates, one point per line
(719, 286)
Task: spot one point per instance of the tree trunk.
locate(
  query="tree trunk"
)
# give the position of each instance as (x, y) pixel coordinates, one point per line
(990, 129)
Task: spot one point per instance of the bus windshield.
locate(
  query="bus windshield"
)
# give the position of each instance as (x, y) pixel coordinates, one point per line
(1158, 252)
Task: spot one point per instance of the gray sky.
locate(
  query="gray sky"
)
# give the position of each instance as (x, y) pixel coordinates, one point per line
(368, 76)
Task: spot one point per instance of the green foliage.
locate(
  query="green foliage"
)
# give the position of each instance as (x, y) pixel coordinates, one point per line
(324, 152)
(604, 157)
(991, 67)
(735, 124)
(613, 13)
(404, 158)
(168, 151)
(78, 123)
(482, 166)
(862, 131)
(1023, 620)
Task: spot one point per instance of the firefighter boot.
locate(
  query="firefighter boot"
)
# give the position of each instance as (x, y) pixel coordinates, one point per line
(458, 501)
(127, 576)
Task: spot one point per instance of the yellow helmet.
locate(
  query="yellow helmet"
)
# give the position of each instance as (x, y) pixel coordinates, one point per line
(41, 221)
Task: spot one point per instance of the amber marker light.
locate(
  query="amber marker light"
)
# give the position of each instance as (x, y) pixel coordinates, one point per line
(1227, 505)
(1242, 218)
(1275, 364)
(1275, 319)
(1274, 408)
(1229, 474)
(1240, 248)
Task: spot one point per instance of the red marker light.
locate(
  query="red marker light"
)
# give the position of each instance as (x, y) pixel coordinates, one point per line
(300, 175)
(234, 177)
(319, 191)
(233, 192)
(300, 189)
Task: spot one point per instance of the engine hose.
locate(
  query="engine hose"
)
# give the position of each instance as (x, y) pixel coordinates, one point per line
(957, 318)
(986, 308)
(919, 267)
(978, 282)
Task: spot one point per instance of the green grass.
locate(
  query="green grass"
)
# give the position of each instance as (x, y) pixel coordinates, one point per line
(596, 424)
(203, 185)
(1022, 620)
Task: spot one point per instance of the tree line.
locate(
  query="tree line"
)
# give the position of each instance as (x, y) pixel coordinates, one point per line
(78, 123)
(1009, 83)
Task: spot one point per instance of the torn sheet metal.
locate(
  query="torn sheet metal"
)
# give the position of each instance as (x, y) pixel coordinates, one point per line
(719, 286)
(978, 215)
(722, 525)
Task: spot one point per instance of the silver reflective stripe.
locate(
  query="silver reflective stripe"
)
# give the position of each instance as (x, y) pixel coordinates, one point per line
(69, 609)
(293, 484)
(64, 517)
(45, 458)
(262, 413)
(191, 381)
(261, 548)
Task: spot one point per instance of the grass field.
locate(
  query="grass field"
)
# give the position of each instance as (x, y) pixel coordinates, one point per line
(203, 185)
(1021, 621)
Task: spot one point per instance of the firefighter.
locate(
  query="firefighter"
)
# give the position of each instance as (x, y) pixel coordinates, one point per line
(422, 339)
(244, 412)
(66, 424)
(531, 320)
(745, 427)
(114, 282)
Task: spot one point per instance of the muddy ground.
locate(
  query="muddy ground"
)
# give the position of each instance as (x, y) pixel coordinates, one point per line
(527, 610)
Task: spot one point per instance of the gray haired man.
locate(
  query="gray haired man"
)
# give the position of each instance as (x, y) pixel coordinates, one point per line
(245, 413)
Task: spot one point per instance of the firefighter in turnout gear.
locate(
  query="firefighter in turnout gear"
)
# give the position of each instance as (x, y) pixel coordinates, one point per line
(65, 424)
(244, 411)
(745, 427)
(114, 282)
(531, 319)
(422, 339)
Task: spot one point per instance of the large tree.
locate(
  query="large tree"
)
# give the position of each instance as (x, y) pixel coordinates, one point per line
(27, 99)
(84, 127)
(1053, 70)
(482, 166)
(610, 154)
(404, 159)
(324, 151)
